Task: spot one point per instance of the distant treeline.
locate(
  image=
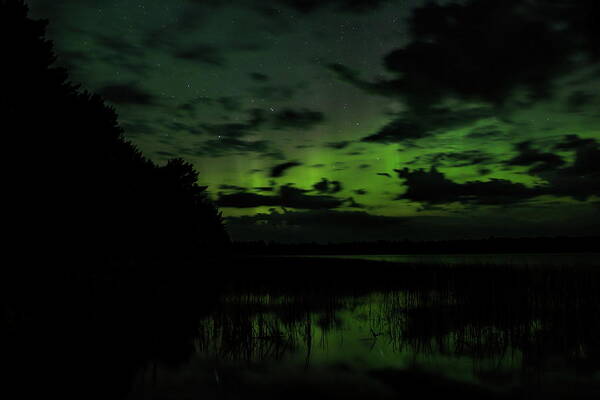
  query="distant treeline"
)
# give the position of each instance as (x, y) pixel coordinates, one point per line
(463, 246)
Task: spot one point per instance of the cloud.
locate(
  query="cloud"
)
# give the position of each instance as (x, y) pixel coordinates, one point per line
(384, 174)
(488, 132)
(231, 187)
(178, 126)
(238, 129)
(118, 44)
(227, 103)
(538, 161)
(274, 93)
(257, 118)
(259, 77)
(454, 159)
(297, 119)
(338, 145)
(410, 126)
(310, 6)
(280, 169)
(120, 93)
(202, 53)
(432, 187)
(578, 100)
(486, 51)
(580, 180)
(231, 145)
(326, 186)
(287, 196)
(137, 127)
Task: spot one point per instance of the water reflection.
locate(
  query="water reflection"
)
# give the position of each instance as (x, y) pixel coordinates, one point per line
(547, 259)
(384, 344)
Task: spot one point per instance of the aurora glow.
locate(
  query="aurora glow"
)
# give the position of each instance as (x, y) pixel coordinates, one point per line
(508, 114)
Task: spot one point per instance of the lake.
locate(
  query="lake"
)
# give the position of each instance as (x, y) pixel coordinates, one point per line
(558, 259)
(487, 334)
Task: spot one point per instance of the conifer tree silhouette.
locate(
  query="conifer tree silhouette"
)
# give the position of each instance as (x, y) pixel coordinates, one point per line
(75, 187)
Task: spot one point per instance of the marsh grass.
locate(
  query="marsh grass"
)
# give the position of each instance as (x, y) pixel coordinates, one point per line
(477, 311)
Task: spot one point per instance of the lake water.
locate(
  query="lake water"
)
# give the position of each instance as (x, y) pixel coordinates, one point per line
(559, 259)
(379, 346)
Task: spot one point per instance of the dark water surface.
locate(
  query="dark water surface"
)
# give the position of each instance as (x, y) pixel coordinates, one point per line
(450, 339)
(546, 259)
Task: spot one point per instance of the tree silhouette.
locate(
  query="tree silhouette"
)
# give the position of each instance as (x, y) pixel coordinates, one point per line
(75, 187)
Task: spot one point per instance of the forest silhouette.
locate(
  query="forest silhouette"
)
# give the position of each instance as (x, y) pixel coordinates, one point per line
(77, 188)
(97, 236)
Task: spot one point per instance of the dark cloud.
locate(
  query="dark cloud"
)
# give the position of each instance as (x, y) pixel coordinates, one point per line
(257, 118)
(230, 103)
(274, 93)
(73, 60)
(454, 159)
(178, 127)
(238, 129)
(246, 200)
(484, 50)
(232, 146)
(280, 169)
(488, 132)
(417, 126)
(578, 100)
(231, 187)
(227, 103)
(120, 93)
(297, 119)
(364, 166)
(580, 180)
(360, 192)
(432, 187)
(574, 142)
(264, 188)
(384, 174)
(310, 6)
(275, 155)
(202, 53)
(259, 77)
(287, 196)
(118, 44)
(137, 127)
(338, 145)
(165, 154)
(117, 51)
(537, 160)
(327, 186)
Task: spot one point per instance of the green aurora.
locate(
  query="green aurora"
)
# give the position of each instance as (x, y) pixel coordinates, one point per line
(491, 133)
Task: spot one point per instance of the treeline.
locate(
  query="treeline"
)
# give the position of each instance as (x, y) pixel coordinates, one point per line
(75, 188)
(490, 245)
(94, 234)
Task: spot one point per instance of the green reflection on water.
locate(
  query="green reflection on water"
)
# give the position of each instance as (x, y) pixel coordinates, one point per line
(460, 329)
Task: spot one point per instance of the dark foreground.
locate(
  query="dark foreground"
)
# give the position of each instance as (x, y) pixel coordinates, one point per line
(298, 328)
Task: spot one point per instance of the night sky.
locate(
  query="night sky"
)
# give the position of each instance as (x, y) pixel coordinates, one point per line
(340, 120)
